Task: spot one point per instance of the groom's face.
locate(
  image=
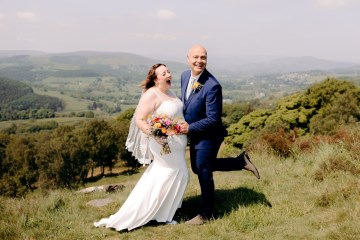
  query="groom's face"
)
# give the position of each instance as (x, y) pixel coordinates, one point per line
(197, 59)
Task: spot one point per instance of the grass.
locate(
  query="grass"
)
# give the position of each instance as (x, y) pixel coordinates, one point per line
(71, 104)
(290, 201)
(74, 104)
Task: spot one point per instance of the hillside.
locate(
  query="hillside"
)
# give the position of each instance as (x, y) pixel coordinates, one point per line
(103, 81)
(35, 66)
(308, 188)
(11, 90)
(312, 195)
(319, 109)
(110, 80)
(18, 101)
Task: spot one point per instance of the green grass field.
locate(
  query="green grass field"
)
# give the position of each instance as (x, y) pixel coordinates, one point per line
(71, 104)
(313, 195)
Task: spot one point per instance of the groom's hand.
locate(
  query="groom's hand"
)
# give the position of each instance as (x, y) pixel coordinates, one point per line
(184, 127)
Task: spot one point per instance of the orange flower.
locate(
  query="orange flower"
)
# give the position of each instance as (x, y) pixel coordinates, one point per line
(163, 126)
(163, 130)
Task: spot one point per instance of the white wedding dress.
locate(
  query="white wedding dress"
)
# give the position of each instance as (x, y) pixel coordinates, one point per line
(160, 190)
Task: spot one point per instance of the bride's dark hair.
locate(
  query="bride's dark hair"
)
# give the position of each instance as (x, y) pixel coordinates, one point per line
(151, 76)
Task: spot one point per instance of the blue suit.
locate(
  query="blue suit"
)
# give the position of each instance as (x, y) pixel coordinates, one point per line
(202, 111)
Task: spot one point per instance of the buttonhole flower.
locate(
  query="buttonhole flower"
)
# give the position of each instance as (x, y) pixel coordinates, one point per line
(197, 86)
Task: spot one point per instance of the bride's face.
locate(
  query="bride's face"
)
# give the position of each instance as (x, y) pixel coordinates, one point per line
(163, 78)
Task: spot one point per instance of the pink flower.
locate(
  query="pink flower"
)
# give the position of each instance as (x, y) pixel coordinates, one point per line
(162, 127)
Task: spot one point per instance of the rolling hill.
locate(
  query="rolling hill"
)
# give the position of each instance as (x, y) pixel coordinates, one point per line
(34, 66)
(18, 101)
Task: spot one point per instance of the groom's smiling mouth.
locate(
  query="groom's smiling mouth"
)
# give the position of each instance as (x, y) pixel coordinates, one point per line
(199, 65)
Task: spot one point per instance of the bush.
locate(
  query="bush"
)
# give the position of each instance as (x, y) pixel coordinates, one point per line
(280, 142)
(318, 110)
(89, 114)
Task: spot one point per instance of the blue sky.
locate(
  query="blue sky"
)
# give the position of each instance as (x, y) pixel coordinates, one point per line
(328, 29)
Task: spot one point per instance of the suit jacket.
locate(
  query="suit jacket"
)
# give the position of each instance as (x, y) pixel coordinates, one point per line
(202, 111)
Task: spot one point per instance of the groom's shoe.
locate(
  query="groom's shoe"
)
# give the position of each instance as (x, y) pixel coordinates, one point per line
(197, 220)
(249, 165)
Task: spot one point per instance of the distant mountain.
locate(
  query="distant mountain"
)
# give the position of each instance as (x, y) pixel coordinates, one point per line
(36, 65)
(11, 53)
(266, 64)
(114, 59)
(273, 65)
(115, 63)
(81, 57)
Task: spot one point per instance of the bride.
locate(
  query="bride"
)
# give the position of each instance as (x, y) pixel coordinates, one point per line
(159, 192)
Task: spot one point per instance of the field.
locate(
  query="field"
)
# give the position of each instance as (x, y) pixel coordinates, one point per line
(312, 195)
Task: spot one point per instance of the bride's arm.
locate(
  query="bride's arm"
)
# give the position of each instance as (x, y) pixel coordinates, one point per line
(146, 106)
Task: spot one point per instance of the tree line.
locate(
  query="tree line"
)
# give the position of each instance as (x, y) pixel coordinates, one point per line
(64, 157)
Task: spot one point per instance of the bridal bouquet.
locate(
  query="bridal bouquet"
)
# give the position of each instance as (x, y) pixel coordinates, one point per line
(162, 127)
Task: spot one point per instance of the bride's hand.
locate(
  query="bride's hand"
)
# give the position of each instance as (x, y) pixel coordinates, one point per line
(184, 127)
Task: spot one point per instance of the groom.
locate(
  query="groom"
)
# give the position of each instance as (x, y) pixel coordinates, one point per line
(202, 97)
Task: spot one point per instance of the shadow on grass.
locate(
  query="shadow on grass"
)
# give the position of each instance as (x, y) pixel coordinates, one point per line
(225, 202)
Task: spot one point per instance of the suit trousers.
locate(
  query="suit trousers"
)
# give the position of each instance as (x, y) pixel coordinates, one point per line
(203, 163)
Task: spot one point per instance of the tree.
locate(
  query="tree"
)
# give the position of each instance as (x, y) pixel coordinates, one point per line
(62, 160)
(232, 113)
(4, 141)
(20, 171)
(89, 114)
(126, 115)
(101, 143)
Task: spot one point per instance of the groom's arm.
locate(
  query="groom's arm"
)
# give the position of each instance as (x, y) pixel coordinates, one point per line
(212, 115)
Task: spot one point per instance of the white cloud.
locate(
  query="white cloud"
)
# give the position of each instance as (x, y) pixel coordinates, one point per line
(27, 16)
(165, 14)
(333, 3)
